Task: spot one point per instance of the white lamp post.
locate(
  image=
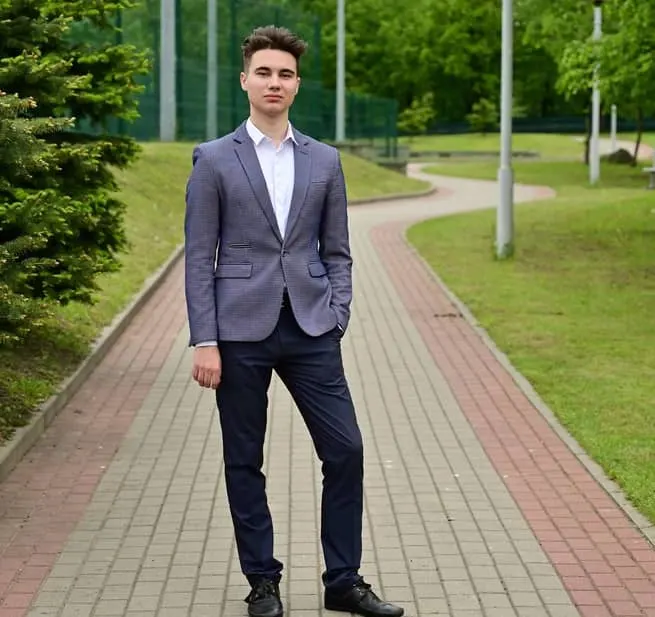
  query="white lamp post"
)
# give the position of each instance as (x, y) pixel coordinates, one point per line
(505, 212)
(341, 71)
(211, 128)
(167, 72)
(594, 154)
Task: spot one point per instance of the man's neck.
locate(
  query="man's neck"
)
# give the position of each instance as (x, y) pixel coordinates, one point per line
(274, 128)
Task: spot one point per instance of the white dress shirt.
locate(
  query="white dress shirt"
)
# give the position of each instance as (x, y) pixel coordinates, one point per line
(278, 167)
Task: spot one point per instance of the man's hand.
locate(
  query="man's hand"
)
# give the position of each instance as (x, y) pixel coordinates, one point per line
(207, 366)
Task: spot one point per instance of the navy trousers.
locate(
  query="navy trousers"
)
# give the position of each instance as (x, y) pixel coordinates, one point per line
(312, 370)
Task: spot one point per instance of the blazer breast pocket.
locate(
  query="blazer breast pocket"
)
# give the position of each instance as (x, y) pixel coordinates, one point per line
(317, 190)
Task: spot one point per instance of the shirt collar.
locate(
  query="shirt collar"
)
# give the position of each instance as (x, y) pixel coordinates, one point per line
(257, 136)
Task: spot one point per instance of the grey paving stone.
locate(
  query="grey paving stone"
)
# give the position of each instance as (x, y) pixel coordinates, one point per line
(442, 533)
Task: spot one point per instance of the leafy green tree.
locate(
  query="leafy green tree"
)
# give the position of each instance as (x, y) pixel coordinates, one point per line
(552, 28)
(484, 116)
(65, 56)
(415, 119)
(450, 48)
(625, 57)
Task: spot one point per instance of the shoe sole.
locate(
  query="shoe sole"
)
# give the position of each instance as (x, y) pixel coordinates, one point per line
(331, 606)
(279, 614)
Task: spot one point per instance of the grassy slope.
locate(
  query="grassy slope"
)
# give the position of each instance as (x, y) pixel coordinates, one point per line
(365, 180)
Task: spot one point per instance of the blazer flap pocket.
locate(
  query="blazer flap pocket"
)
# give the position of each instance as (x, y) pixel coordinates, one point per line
(316, 268)
(233, 271)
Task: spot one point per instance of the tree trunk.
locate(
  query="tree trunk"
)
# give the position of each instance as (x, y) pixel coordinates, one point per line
(640, 133)
(587, 142)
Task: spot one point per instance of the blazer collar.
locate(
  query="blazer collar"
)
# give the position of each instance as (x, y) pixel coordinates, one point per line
(300, 140)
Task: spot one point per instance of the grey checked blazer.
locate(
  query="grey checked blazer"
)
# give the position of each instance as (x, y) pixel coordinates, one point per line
(236, 262)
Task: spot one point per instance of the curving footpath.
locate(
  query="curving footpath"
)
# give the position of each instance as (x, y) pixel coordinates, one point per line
(477, 503)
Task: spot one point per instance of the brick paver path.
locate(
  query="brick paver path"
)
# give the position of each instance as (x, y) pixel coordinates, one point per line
(474, 505)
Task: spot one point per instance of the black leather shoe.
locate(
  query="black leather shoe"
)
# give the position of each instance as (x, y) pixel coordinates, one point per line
(360, 600)
(264, 600)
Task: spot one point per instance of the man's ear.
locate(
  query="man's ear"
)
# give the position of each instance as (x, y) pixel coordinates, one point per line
(243, 78)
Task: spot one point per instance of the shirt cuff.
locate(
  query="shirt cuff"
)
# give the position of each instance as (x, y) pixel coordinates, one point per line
(207, 344)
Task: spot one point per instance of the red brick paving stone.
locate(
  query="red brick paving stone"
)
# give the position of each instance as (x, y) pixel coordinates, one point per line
(646, 599)
(594, 611)
(46, 494)
(582, 530)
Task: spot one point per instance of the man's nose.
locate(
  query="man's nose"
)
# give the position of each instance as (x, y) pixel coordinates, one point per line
(275, 81)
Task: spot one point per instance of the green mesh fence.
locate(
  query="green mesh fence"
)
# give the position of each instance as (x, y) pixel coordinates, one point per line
(367, 117)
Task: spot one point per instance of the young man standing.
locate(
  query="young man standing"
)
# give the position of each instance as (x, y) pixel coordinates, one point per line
(268, 287)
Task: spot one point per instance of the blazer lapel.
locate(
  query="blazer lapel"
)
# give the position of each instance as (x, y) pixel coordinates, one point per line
(303, 166)
(245, 151)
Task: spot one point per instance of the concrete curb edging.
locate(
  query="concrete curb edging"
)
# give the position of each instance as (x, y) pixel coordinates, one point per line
(596, 471)
(25, 437)
(398, 196)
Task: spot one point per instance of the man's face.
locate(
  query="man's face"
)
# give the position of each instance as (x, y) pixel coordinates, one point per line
(271, 81)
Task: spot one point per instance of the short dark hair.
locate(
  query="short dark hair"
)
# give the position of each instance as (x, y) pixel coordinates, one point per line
(273, 37)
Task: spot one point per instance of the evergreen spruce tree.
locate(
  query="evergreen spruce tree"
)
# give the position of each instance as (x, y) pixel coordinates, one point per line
(24, 215)
(63, 59)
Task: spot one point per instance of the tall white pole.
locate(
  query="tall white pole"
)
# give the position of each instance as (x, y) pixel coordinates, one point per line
(614, 127)
(505, 212)
(594, 154)
(167, 72)
(341, 71)
(212, 70)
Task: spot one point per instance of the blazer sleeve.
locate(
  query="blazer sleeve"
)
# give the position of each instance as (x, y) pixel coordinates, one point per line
(334, 244)
(201, 237)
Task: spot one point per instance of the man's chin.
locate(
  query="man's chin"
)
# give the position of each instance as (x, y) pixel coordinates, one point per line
(272, 111)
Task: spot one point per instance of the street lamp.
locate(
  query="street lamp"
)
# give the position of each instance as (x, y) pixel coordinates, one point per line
(341, 71)
(211, 128)
(167, 71)
(594, 155)
(505, 212)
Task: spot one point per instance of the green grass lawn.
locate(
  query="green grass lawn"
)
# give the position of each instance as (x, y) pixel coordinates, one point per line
(154, 191)
(548, 146)
(574, 310)
(561, 175)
